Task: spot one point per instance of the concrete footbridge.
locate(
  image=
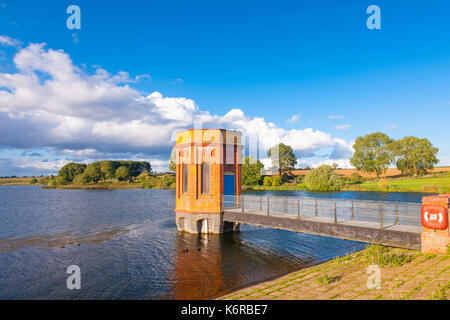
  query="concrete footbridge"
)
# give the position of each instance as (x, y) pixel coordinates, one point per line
(209, 200)
(395, 224)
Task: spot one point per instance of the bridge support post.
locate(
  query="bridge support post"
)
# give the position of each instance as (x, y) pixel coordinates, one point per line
(435, 237)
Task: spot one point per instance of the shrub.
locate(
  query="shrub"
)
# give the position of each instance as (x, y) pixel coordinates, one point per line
(267, 181)
(33, 181)
(60, 180)
(167, 181)
(51, 181)
(382, 255)
(143, 176)
(383, 184)
(323, 179)
(277, 181)
(299, 179)
(356, 178)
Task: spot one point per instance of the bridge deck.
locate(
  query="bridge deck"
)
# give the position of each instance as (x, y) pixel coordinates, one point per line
(405, 236)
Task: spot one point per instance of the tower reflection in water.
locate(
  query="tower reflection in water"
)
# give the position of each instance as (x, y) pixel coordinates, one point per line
(206, 266)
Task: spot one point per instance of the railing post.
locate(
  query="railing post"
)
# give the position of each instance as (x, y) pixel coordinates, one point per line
(317, 209)
(298, 209)
(268, 204)
(335, 212)
(287, 205)
(260, 204)
(353, 210)
(243, 203)
(396, 215)
(381, 217)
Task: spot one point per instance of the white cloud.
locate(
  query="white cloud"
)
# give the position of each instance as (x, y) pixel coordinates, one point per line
(335, 117)
(8, 41)
(342, 163)
(392, 126)
(295, 118)
(59, 105)
(343, 127)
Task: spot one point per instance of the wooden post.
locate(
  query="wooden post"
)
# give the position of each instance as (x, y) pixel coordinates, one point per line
(298, 209)
(381, 217)
(353, 210)
(317, 209)
(335, 212)
(268, 203)
(287, 205)
(243, 204)
(260, 204)
(396, 215)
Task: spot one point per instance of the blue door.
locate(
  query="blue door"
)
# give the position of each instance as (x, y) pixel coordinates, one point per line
(228, 191)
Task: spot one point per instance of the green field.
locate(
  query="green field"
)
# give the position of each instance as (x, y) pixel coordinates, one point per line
(426, 184)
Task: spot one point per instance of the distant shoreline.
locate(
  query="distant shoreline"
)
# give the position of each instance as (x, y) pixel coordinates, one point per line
(100, 187)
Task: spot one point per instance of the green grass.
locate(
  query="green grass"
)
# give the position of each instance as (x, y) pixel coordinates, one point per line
(285, 187)
(383, 256)
(439, 294)
(426, 184)
(326, 279)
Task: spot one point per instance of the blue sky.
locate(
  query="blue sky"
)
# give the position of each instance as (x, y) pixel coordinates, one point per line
(294, 64)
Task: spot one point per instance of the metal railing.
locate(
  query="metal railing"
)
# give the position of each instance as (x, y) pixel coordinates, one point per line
(384, 213)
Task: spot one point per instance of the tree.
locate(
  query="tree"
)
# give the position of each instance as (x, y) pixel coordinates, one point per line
(172, 161)
(122, 173)
(372, 153)
(323, 178)
(135, 168)
(414, 155)
(107, 169)
(283, 158)
(70, 170)
(93, 172)
(251, 171)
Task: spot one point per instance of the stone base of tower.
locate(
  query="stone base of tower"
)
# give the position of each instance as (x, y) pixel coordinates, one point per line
(208, 223)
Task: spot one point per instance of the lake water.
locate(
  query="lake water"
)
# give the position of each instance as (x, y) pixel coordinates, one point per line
(127, 246)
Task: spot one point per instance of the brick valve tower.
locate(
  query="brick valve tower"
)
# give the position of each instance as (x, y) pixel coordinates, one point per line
(208, 171)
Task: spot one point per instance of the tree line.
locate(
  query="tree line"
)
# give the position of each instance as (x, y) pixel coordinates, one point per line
(373, 153)
(80, 173)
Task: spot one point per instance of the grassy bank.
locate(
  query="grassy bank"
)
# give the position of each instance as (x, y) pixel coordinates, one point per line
(105, 186)
(285, 187)
(425, 184)
(405, 274)
(432, 183)
(15, 181)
